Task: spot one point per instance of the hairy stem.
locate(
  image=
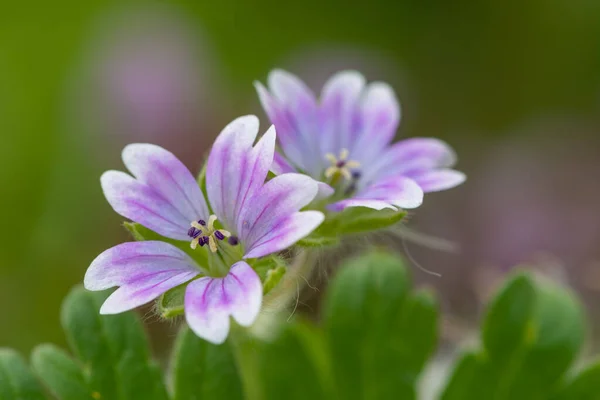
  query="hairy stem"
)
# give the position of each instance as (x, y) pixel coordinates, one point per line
(292, 282)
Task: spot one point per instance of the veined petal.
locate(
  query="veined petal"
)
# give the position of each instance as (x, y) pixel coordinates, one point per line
(235, 169)
(281, 165)
(324, 191)
(380, 115)
(392, 192)
(438, 180)
(290, 140)
(142, 270)
(292, 108)
(274, 202)
(209, 302)
(140, 203)
(410, 155)
(339, 112)
(160, 170)
(287, 232)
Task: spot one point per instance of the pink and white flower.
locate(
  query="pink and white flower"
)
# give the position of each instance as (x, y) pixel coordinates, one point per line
(343, 141)
(243, 218)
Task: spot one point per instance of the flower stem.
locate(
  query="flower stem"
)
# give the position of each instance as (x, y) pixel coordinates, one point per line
(246, 353)
(289, 287)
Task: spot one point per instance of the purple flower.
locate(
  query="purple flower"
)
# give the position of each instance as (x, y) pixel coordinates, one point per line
(249, 219)
(343, 141)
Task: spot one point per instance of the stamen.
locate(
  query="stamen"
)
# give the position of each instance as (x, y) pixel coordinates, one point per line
(233, 240)
(203, 233)
(211, 222)
(212, 243)
(340, 167)
(344, 154)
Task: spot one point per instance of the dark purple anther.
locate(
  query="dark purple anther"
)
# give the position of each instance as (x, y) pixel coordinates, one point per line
(202, 222)
(219, 235)
(340, 164)
(193, 232)
(233, 240)
(203, 240)
(356, 175)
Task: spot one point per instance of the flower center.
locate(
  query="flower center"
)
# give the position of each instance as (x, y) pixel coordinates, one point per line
(205, 233)
(341, 167)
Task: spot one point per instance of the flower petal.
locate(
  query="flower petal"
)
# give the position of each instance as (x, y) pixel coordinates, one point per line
(392, 192)
(142, 270)
(210, 301)
(168, 177)
(324, 191)
(437, 180)
(380, 115)
(235, 169)
(287, 232)
(274, 202)
(292, 108)
(409, 155)
(339, 112)
(281, 165)
(140, 203)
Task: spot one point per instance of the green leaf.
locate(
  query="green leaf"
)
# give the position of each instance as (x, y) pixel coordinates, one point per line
(304, 378)
(60, 373)
(376, 355)
(559, 334)
(16, 381)
(419, 324)
(171, 303)
(507, 324)
(201, 370)
(113, 348)
(363, 219)
(141, 233)
(584, 386)
(470, 379)
(532, 333)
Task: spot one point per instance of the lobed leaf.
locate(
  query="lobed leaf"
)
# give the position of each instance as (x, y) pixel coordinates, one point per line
(16, 380)
(201, 370)
(114, 349)
(60, 373)
(376, 340)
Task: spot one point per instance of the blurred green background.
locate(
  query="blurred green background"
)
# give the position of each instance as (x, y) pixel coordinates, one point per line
(514, 86)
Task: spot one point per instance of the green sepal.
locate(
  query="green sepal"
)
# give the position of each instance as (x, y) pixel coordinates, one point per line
(316, 240)
(141, 233)
(16, 380)
(363, 219)
(263, 265)
(273, 277)
(171, 303)
(352, 220)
